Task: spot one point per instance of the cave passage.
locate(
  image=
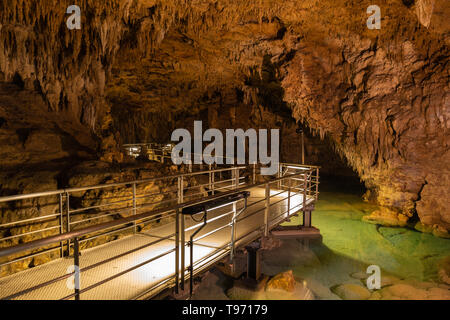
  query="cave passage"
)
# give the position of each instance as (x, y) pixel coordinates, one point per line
(313, 134)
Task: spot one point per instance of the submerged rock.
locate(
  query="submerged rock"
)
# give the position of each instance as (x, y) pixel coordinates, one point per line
(283, 281)
(404, 291)
(444, 270)
(387, 217)
(436, 230)
(282, 286)
(351, 292)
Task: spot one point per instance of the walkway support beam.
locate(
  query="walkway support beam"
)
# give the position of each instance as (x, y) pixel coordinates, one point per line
(76, 262)
(177, 250)
(68, 221)
(61, 223)
(134, 206)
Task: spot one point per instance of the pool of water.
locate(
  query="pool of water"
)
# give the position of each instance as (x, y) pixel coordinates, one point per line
(350, 245)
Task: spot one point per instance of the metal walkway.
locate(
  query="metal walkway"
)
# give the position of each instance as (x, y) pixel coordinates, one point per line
(143, 263)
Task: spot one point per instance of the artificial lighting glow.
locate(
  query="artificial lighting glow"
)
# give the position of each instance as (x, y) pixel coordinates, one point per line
(163, 267)
(297, 167)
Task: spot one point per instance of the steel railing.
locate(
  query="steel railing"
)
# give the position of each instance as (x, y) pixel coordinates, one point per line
(163, 153)
(124, 200)
(304, 181)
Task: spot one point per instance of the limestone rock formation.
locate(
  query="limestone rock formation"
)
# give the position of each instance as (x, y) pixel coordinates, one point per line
(140, 68)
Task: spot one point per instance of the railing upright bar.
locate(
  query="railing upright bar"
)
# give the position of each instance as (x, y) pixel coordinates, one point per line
(134, 206)
(182, 245)
(305, 185)
(210, 186)
(213, 182)
(177, 250)
(191, 253)
(76, 262)
(266, 211)
(279, 175)
(233, 232)
(317, 184)
(68, 220)
(310, 184)
(183, 250)
(289, 197)
(61, 223)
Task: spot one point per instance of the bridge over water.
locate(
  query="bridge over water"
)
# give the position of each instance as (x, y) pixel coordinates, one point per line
(148, 257)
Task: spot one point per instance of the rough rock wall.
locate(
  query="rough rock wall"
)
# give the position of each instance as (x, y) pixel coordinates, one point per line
(69, 68)
(385, 103)
(380, 95)
(30, 135)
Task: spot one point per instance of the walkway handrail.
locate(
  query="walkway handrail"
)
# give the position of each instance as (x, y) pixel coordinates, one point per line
(107, 225)
(118, 184)
(109, 185)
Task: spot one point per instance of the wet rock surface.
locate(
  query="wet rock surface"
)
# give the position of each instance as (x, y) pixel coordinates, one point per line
(351, 292)
(284, 281)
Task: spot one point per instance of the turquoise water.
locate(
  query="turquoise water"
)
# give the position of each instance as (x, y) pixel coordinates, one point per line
(350, 245)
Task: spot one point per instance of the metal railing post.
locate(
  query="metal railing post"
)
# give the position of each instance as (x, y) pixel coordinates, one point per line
(213, 182)
(76, 262)
(210, 179)
(279, 175)
(317, 184)
(182, 245)
(266, 210)
(289, 197)
(310, 184)
(305, 185)
(177, 250)
(191, 254)
(233, 232)
(183, 251)
(134, 206)
(254, 173)
(236, 178)
(61, 224)
(68, 220)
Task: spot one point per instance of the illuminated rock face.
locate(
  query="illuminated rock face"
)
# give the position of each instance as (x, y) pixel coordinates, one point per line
(138, 69)
(389, 116)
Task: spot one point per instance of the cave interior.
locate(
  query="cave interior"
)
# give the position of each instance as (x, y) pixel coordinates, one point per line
(370, 106)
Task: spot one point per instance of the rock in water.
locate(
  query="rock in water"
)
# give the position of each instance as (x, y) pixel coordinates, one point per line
(351, 292)
(444, 270)
(283, 281)
(386, 217)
